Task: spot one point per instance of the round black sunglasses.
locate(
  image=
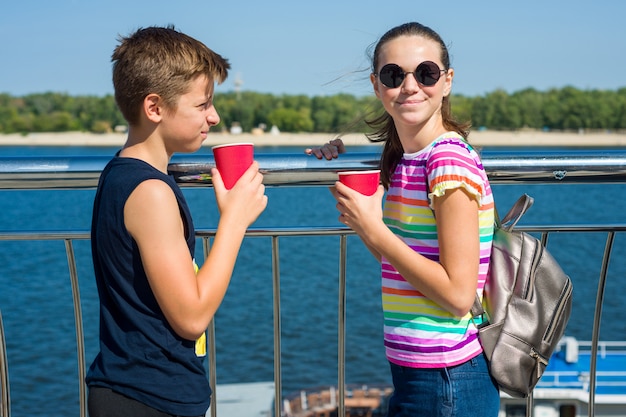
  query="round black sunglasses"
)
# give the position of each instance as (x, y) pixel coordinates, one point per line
(427, 73)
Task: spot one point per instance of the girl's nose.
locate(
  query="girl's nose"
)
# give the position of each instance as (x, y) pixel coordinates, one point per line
(410, 84)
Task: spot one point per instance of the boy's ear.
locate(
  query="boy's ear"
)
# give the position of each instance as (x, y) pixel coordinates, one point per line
(152, 107)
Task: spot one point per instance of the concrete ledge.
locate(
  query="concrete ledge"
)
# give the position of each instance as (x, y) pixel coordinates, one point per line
(478, 138)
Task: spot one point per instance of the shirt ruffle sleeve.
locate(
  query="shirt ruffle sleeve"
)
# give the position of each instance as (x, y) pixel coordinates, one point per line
(452, 164)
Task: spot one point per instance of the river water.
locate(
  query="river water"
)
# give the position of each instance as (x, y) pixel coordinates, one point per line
(36, 304)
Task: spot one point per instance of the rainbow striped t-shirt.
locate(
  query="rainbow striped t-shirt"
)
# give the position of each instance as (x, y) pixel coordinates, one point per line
(418, 332)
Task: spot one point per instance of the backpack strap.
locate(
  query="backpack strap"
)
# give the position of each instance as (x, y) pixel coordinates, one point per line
(477, 308)
(520, 207)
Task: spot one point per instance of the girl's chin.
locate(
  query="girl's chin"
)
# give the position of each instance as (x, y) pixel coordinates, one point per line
(409, 119)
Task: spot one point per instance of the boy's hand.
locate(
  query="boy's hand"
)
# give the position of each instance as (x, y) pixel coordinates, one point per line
(245, 201)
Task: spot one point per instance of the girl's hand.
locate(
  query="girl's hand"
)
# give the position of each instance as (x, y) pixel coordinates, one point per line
(329, 151)
(359, 212)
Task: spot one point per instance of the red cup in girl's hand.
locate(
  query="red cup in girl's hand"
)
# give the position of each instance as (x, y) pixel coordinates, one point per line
(232, 160)
(365, 182)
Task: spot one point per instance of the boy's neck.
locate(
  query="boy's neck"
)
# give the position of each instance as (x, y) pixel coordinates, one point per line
(146, 147)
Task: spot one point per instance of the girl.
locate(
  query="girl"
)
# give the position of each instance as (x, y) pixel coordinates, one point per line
(433, 235)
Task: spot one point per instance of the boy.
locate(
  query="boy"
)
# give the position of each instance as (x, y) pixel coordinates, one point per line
(154, 307)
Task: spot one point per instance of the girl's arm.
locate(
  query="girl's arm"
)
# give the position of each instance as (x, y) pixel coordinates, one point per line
(452, 282)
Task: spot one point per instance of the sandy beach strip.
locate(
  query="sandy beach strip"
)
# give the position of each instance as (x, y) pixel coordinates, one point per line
(477, 138)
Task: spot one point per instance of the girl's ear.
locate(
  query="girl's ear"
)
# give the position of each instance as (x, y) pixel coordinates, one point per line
(448, 82)
(374, 81)
(152, 107)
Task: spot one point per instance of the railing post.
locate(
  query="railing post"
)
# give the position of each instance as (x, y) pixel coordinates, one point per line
(341, 357)
(5, 398)
(78, 324)
(278, 405)
(530, 400)
(596, 322)
(211, 348)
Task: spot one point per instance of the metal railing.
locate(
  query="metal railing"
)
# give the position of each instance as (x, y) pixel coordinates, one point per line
(301, 170)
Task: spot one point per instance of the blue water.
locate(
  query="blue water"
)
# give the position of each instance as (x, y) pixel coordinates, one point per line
(36, 304)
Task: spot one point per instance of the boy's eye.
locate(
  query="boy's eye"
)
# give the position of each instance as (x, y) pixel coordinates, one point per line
(206, 104)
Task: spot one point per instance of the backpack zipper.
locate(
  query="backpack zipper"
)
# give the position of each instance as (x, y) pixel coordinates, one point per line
(565, 295)
(538, 361)
(537, 254)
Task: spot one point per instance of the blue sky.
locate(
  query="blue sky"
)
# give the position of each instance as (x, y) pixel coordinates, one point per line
(318, 47)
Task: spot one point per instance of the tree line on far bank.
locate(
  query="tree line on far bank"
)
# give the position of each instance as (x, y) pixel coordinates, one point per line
(562, 109)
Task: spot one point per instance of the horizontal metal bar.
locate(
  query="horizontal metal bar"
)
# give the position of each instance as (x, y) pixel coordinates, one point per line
(44, 235)
(273, 233)
(298, 169)
(307, 231)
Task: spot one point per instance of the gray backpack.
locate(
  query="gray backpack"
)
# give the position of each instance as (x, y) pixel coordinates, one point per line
(527, 301)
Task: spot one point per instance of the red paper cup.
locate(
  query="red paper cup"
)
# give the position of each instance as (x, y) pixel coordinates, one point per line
(365, 182)
(232, 160)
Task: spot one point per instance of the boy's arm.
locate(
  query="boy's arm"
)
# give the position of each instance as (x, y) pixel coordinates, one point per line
(152, 216)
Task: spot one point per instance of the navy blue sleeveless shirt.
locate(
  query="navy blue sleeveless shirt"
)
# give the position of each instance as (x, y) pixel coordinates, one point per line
(140, 355)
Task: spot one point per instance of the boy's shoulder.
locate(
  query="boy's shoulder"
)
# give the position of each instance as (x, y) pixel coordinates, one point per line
(129, 172)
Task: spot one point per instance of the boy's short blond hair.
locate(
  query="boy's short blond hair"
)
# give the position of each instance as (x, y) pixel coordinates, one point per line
(163, 61)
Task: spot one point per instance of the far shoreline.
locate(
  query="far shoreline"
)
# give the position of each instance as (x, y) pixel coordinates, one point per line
(477, 138)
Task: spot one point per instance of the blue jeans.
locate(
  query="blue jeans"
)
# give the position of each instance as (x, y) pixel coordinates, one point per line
(459, 391)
